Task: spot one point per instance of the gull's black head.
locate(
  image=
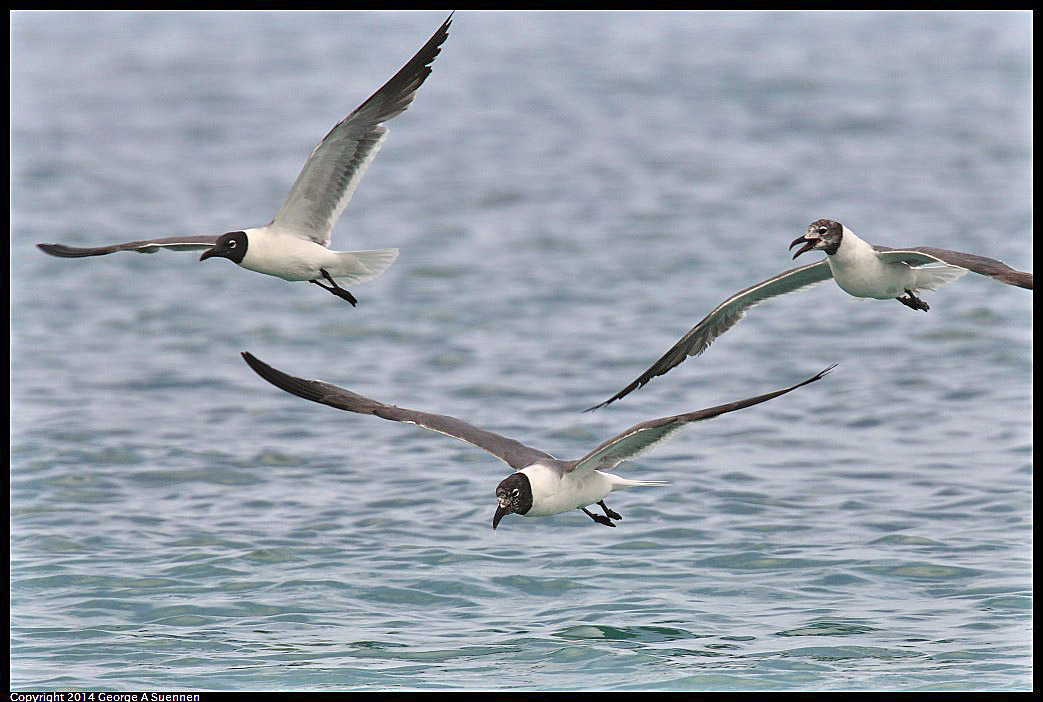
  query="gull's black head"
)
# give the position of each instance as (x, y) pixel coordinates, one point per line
(822, 234)
(514, 495)
(231, 246)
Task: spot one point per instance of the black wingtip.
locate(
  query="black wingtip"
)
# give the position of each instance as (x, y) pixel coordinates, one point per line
(437, 39)
(619, 395)
(817, 377)
(442, 34)
(262, 369)
(284, 381)
(60, 250)
(254, 362)
(606, 403)
(313, 390)
(1022, 280)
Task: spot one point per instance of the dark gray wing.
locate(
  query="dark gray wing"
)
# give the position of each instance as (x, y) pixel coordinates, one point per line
(335, 167)
(177, 243)
(643, 436)
(724, 317)
(514, 453)
(976, 264)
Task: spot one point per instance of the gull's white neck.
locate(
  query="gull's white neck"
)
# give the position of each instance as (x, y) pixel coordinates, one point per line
(852, 250)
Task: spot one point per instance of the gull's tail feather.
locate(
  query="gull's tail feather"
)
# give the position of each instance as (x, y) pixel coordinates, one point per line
(360, 266)
(934, 277)
(619, 483)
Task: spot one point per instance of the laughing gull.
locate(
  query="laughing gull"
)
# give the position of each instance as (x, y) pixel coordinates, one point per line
(294, 245)
(542, 485)
(859, 268)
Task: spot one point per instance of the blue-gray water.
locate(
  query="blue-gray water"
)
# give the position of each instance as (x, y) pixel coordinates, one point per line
(570, 193)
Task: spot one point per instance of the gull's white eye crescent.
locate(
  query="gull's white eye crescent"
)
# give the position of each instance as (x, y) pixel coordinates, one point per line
(231, 243)
(514, 492)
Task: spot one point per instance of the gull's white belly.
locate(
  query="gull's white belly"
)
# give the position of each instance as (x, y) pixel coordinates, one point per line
(552, 494)
(870, 277)
(287, 257)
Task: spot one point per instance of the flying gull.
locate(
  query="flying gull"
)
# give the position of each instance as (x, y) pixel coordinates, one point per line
(295, 244)
(542, 485)
(859, 268)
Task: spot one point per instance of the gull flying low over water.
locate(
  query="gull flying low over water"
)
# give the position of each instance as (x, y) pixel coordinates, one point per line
(542, 485)
(295, 244)
(859, 268)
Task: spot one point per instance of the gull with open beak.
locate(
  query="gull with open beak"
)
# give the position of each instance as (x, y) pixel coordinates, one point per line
(859, 268)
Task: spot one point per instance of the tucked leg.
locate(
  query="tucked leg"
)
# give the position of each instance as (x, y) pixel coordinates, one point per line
(608, 513)
(334, 288)
(597, 517)
(911, 300)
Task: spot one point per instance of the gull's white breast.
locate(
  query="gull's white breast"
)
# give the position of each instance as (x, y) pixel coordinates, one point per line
(860, 272)
(553, 493)
(286, 256)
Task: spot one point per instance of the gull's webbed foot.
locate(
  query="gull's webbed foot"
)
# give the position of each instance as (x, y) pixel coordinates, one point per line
(334, 288)
(608, 512)
(912, 301)
(600, 519)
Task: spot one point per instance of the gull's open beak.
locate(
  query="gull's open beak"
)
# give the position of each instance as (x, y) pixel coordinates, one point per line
(206, 254)
(809, 244)
(502, 510)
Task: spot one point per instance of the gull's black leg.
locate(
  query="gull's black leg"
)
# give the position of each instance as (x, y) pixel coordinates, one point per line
(912, 301)
(335, 289)
(608, 513)
(339, 292)
(597, 517)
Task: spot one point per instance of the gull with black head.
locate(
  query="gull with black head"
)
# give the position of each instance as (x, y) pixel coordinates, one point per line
(859, 268)
(542, 485)
(295, 244)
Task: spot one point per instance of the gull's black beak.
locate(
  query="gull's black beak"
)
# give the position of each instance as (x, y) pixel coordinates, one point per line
(502, 510)
(207, 254)
(809, 244)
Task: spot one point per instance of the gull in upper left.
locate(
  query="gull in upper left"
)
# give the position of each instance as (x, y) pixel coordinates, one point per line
(295, 244)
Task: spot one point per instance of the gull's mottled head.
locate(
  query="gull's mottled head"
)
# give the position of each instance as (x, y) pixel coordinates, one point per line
(822, 234)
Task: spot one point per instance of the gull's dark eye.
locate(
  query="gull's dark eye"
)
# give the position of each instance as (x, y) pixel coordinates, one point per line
(231, 243)
(514, 492)
(822, 230)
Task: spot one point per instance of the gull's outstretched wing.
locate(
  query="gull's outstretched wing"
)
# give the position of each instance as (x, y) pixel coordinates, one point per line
(643, 436)
(918, 255)
(724, 317)
(514, 453)
(177, 243)
(336, 166)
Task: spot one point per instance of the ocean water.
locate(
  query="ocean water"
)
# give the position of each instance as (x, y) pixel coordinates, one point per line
(570, 193)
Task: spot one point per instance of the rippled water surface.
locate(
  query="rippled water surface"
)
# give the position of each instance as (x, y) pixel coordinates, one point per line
(570, 193)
